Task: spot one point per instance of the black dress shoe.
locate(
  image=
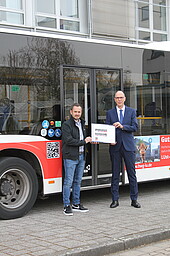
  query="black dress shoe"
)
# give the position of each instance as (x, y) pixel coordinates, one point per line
(135, 204)
(114, 204)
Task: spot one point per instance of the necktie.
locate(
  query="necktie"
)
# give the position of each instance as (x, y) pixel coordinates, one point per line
(121, 116)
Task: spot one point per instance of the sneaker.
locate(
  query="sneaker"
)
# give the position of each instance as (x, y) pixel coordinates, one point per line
(67, 210)
(79, 208)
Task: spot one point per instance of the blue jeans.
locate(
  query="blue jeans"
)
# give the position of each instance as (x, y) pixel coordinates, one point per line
(73, 176)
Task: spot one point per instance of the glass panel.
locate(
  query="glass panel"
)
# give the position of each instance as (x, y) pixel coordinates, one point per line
(143, 15)
(13, 4)
(160, 2)
(29, 95)
(159, 17)
(69, 8)
(23, 108)
(107, 83)
(69, 25)
(145, 90)
(11, 17)
(159, 37)
(45, 6)
(144, 35)
(46, 22)
(151, 120)
(150, 94)
(76, 89)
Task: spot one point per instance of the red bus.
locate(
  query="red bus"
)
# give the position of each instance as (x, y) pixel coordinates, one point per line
(41, 76)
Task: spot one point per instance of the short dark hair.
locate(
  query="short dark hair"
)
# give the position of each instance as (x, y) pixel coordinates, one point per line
(75, 105)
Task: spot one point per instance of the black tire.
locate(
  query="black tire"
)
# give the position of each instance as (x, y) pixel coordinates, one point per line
(18, 187)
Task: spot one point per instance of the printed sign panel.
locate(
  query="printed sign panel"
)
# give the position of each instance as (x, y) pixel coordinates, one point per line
(152, 151)
(103, 133)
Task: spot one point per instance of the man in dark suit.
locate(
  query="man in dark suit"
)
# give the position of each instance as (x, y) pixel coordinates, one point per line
(124, 120)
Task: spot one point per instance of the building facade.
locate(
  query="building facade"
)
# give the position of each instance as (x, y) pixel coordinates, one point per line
(134, 21)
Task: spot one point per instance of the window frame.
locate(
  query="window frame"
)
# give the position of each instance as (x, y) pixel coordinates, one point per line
(59, 18)
(151, 30)
(16, 11)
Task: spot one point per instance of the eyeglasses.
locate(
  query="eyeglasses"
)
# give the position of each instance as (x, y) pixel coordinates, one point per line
(119, 98)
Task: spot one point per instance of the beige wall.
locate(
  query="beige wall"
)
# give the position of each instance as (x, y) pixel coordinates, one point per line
(113, 18)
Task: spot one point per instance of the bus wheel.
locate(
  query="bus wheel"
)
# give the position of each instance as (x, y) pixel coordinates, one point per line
(18, 187)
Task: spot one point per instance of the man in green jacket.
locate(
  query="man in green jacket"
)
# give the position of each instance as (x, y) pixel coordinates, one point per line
(73, 148)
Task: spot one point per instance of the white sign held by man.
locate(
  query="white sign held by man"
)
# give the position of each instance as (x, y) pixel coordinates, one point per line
(103, 133)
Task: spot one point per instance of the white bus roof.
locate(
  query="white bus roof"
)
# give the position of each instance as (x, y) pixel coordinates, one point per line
(160, 46)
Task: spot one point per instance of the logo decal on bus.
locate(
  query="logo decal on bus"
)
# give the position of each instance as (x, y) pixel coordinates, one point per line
(57, 132)
(50, 132)
(45, 124)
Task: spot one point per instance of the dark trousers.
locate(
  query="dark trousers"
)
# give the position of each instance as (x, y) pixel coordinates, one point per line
(129, 159)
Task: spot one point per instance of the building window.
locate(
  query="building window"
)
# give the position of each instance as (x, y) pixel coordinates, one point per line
(159, 37)
(69, 25)
(145, 12)
(143, 35)
(44, 6)
(143, 15)
(69, 8)
(46, 22)
(12, 4)
(59, 14)
(159, 17)
(151, 20)
(11, 11)
(163, 2)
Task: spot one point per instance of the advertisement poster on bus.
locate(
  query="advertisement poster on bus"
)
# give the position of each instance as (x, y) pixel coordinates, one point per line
(152, 151)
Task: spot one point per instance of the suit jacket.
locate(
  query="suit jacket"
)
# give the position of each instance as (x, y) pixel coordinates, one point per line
(124, 135)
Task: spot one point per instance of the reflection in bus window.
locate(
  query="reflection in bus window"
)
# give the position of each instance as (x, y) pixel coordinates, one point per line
(8, 120)
(146, 89)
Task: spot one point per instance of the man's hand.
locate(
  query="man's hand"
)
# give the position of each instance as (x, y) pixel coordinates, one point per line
(88, 139)
(118, 125)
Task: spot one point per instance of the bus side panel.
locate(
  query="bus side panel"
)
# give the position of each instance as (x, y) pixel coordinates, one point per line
(53, 173)
(49, 156)
(152, 158)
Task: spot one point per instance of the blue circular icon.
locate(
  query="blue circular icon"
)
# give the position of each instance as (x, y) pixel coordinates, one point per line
(50, 132)
(57, 132)
(45, 124)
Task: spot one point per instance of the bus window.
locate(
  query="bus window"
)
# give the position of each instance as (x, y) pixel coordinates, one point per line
(150, 110)
(23, 107)
(146, 89)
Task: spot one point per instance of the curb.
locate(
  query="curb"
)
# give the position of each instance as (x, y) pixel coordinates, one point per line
(121, 244)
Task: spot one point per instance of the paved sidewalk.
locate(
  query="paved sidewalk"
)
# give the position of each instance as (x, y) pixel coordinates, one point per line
(46, 231)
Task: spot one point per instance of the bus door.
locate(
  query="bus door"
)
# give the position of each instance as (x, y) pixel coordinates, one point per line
(107, 82)
(94, 89)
